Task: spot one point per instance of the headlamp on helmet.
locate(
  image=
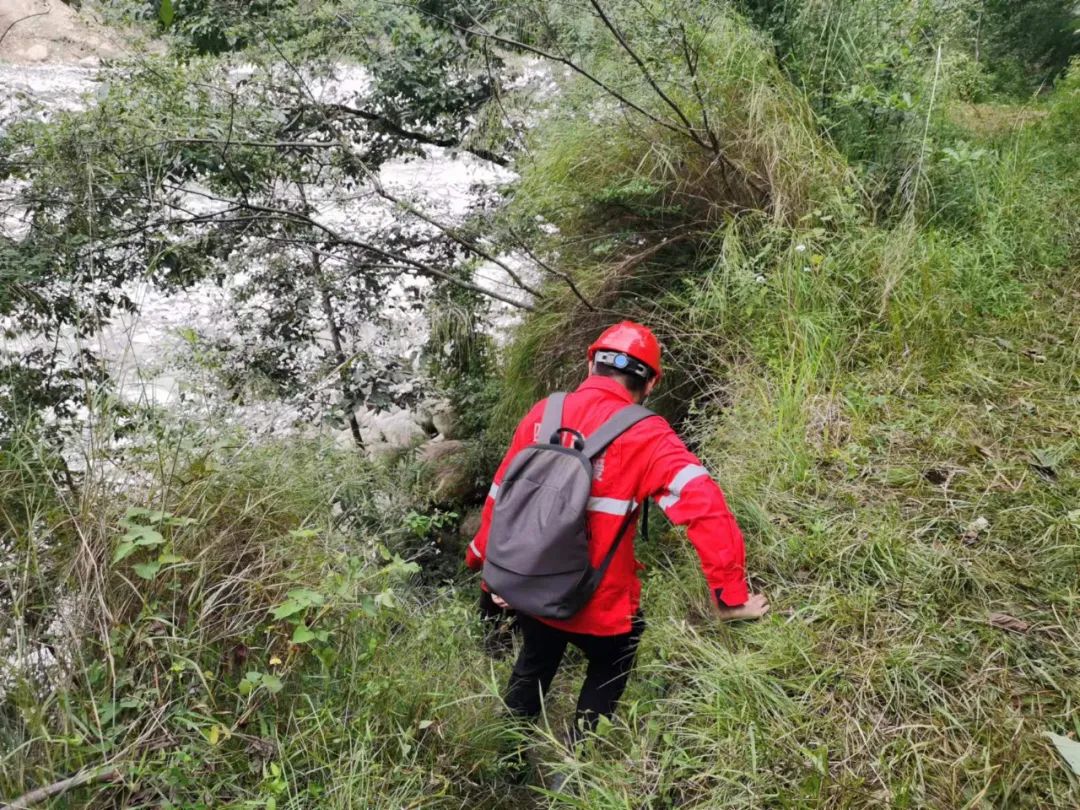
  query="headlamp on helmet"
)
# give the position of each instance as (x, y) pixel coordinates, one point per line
(623, 362)
(636, 342)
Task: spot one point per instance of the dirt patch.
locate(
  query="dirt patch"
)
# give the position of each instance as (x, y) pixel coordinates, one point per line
(49, 32)
(989, 120)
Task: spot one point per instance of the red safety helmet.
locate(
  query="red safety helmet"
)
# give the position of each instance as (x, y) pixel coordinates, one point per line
(633, 339)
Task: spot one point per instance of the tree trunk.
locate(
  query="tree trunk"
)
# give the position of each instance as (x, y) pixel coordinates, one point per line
(339, 350)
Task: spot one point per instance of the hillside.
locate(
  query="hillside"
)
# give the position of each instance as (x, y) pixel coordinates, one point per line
(856, 230)
(43, 32)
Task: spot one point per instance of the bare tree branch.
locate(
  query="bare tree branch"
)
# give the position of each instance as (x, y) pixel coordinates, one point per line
(47, 11)
(454, 235)
(81, 779)
(691, 58)
(574, 66)
(521, 243)
(420, 137)
(615, 32)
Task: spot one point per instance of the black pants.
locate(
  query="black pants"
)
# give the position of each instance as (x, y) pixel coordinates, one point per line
(610, 660)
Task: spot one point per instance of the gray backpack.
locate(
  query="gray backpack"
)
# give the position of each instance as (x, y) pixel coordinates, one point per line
(538, 545)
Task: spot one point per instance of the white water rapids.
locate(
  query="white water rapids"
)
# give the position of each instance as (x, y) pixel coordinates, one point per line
(149, 354)
(146, 353)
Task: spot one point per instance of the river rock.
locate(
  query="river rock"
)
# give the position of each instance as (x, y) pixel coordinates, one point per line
(400, 429)
(426, 421)
(36, 53)
(452, 479)
(445, 419)
(470, 524)
(389, 432)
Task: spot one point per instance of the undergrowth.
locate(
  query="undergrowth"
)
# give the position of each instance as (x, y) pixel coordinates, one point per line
(887, 391)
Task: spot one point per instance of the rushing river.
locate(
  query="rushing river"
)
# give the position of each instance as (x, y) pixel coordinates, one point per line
(147, 353)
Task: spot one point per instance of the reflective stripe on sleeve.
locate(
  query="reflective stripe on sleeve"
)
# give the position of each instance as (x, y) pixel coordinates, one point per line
(681, 479)
(474, 549)
(611, 506)
(493, 491)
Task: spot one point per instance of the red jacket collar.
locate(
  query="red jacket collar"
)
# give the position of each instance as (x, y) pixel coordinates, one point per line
(608, 385)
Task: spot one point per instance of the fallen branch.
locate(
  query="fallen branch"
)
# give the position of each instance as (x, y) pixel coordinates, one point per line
(81, 779)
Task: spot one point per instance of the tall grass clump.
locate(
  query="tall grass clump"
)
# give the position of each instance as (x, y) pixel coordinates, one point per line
(888, 394)
(233, 627)
(646, 180)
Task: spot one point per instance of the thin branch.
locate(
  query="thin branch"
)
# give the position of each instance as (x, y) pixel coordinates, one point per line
(691, 60)
(383, 121)
(81, 779)
(615, 32)
(688, 131)
(521, 243)
(630, 262)
(420, 137)
(253, 144)
(47, 11)
(469, 245)
(574, 66)
(420, 267)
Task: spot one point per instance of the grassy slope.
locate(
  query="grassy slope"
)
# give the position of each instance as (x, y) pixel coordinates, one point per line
(893, 411)
(862, 415)
(879, 680)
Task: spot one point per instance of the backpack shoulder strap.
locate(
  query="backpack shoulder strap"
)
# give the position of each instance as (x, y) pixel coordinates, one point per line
(552, 419)
(614, 427)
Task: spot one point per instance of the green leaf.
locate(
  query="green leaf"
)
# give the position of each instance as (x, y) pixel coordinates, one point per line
(165, 12)
(1069, 750)
(306, 596)
(302, 635)
(287, 608)
(137, 516)
(272, 683)
(136, 537)
(297, 600)
(604, 727)
(143, 536)
(148, 570)
(167, 558)
(123, 550)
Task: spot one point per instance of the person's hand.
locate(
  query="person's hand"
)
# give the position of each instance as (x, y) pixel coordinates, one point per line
(756, 606)
(499, 601)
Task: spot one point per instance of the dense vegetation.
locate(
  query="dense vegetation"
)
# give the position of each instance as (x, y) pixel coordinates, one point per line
(855, 227)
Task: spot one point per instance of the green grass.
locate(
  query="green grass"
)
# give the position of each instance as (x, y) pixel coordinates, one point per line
(879, 680)
(890, 403)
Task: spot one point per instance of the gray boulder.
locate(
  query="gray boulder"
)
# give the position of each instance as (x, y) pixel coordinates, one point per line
(445, 460)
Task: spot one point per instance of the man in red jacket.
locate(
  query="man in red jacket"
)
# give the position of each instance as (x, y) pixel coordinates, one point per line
(647, 461)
